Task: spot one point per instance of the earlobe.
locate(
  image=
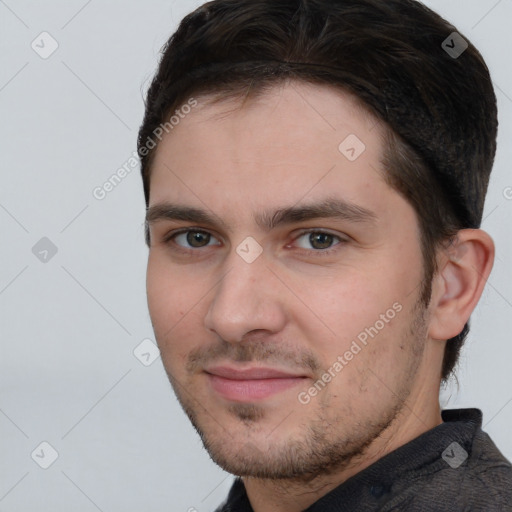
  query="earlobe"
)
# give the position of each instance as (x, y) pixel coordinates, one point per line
(463, 269)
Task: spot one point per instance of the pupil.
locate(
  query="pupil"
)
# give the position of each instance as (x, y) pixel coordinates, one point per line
(324, 240)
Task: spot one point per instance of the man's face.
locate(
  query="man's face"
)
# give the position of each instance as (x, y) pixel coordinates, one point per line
(289, 361)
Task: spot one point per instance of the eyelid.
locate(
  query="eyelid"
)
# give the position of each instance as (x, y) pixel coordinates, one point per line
(325, 231)
(341, 240)
(174, 233)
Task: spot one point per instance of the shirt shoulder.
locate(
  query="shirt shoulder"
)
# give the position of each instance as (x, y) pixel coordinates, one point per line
(474, 478)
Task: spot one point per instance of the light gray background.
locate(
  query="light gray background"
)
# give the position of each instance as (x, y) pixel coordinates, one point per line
(69, 326)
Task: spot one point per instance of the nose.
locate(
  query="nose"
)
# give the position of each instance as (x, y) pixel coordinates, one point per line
(248, 298)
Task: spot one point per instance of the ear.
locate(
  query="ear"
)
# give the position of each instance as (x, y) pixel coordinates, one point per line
(463, 269)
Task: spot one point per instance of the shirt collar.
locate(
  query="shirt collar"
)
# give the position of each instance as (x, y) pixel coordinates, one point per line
(378, 482)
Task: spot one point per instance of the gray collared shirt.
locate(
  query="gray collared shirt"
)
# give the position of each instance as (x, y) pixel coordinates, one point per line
(454, 467)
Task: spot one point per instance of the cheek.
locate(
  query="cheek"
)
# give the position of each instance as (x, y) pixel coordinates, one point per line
(342, 305)
(161, 292)
(174, 301)
(171, 291)
(362, 315)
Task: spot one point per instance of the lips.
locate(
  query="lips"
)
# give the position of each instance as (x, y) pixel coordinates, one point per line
(251, 384)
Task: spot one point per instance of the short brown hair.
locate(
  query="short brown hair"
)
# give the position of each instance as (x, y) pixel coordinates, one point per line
(439, 111)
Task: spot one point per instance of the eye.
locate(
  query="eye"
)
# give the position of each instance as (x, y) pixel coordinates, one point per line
(311, 241)
(191, 239)
(319, 241)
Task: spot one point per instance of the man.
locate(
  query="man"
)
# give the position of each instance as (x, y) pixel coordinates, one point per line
(315, 174)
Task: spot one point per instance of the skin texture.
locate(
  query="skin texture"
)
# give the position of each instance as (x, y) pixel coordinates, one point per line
(295, 307)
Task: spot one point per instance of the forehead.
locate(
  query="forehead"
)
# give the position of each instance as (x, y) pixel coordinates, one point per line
(294, 142)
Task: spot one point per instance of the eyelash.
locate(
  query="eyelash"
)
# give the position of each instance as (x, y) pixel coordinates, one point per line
(320, 252)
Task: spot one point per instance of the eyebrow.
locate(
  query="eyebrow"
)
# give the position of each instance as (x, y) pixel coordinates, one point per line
(329, 209)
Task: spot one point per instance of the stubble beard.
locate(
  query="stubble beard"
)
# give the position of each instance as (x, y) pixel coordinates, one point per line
(317, 451)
